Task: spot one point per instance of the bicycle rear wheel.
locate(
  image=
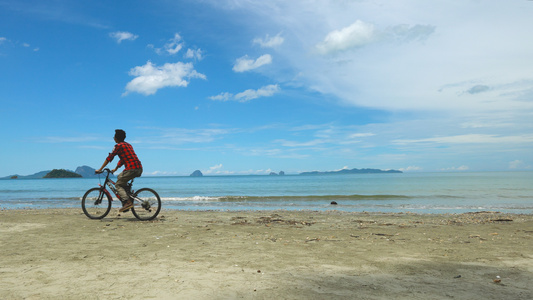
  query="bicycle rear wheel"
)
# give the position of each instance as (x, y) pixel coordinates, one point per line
(96, 204)
(146, 204)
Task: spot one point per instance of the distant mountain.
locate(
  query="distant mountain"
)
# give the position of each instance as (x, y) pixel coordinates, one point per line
(83, 171)
(86, 172)
(61, 173)
(274, 173)
(197, 173)
(34, 176)
(352, 171)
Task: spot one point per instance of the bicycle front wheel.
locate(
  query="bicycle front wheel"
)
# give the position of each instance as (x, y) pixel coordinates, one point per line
(96, 204)
(146, 204)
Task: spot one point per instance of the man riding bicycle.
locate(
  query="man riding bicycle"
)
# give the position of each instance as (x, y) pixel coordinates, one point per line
(133, 167)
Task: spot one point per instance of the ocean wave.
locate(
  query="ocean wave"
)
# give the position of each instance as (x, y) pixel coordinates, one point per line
(191, 199)
(286, 198)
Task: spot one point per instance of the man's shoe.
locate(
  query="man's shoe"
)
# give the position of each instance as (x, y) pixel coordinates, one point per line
(126, 206)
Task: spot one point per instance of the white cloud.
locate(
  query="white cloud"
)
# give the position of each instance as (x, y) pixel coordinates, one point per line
(471, 139)
(214, 168)
(150, 78)
(26, 45)
(518, 164)
(257, 172)
(269, 42)
(398, 55)
(173, 46)
(478, 89)
(120, 36)
(358, 135)
(311, 143)
(4, 40)
(461, 168)
(66, 139)
(250, 94)
(222, 97)
(356, 35)
(411, 169)
(266, 91)
(244, 64)
(217, 170)
(179, 136)
(194, 54)
(163, 173)
(407, 33)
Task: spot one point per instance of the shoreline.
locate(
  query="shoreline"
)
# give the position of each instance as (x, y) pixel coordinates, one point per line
(325, 210)
(279, 254)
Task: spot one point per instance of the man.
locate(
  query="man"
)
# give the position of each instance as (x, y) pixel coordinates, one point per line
(133, 167)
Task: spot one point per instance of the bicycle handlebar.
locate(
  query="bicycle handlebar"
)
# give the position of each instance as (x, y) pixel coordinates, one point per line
(104, 170)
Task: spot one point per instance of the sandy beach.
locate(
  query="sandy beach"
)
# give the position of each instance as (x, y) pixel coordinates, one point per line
(61, 254)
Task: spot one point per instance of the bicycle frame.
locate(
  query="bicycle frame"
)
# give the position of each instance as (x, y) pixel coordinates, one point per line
(111, 184)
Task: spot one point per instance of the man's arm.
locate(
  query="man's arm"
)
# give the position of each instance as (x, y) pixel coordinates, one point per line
(119, 164)
(108, 160)
(101, 168)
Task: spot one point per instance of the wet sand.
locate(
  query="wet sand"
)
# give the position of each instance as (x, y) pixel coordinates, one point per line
(61, 254)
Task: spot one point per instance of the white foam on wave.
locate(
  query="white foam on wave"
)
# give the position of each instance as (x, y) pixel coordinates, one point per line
(193, 198)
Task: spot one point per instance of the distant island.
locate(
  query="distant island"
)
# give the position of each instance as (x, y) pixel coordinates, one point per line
(83, 171)
(33, 176)
(61, 173)
(197, 173)
(86, 172)
(281, 173)
(352, 171)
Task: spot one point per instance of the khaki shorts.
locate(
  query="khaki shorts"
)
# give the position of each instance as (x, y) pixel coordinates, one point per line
(122, 181)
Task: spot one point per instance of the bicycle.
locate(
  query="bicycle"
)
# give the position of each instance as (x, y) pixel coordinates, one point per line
(96, 203)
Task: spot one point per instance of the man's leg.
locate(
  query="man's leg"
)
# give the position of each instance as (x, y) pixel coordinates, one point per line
(122, 184)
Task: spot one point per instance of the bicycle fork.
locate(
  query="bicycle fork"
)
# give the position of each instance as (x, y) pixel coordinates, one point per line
(103, 192)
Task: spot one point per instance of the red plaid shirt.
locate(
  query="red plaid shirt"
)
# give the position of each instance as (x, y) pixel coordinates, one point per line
(127, 156)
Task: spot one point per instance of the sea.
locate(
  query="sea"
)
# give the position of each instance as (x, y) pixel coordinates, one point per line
(507, 192)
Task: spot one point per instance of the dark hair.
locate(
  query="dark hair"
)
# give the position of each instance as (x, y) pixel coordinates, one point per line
(120, 135)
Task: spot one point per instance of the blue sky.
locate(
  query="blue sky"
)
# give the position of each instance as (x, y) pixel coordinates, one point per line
(250, 87)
